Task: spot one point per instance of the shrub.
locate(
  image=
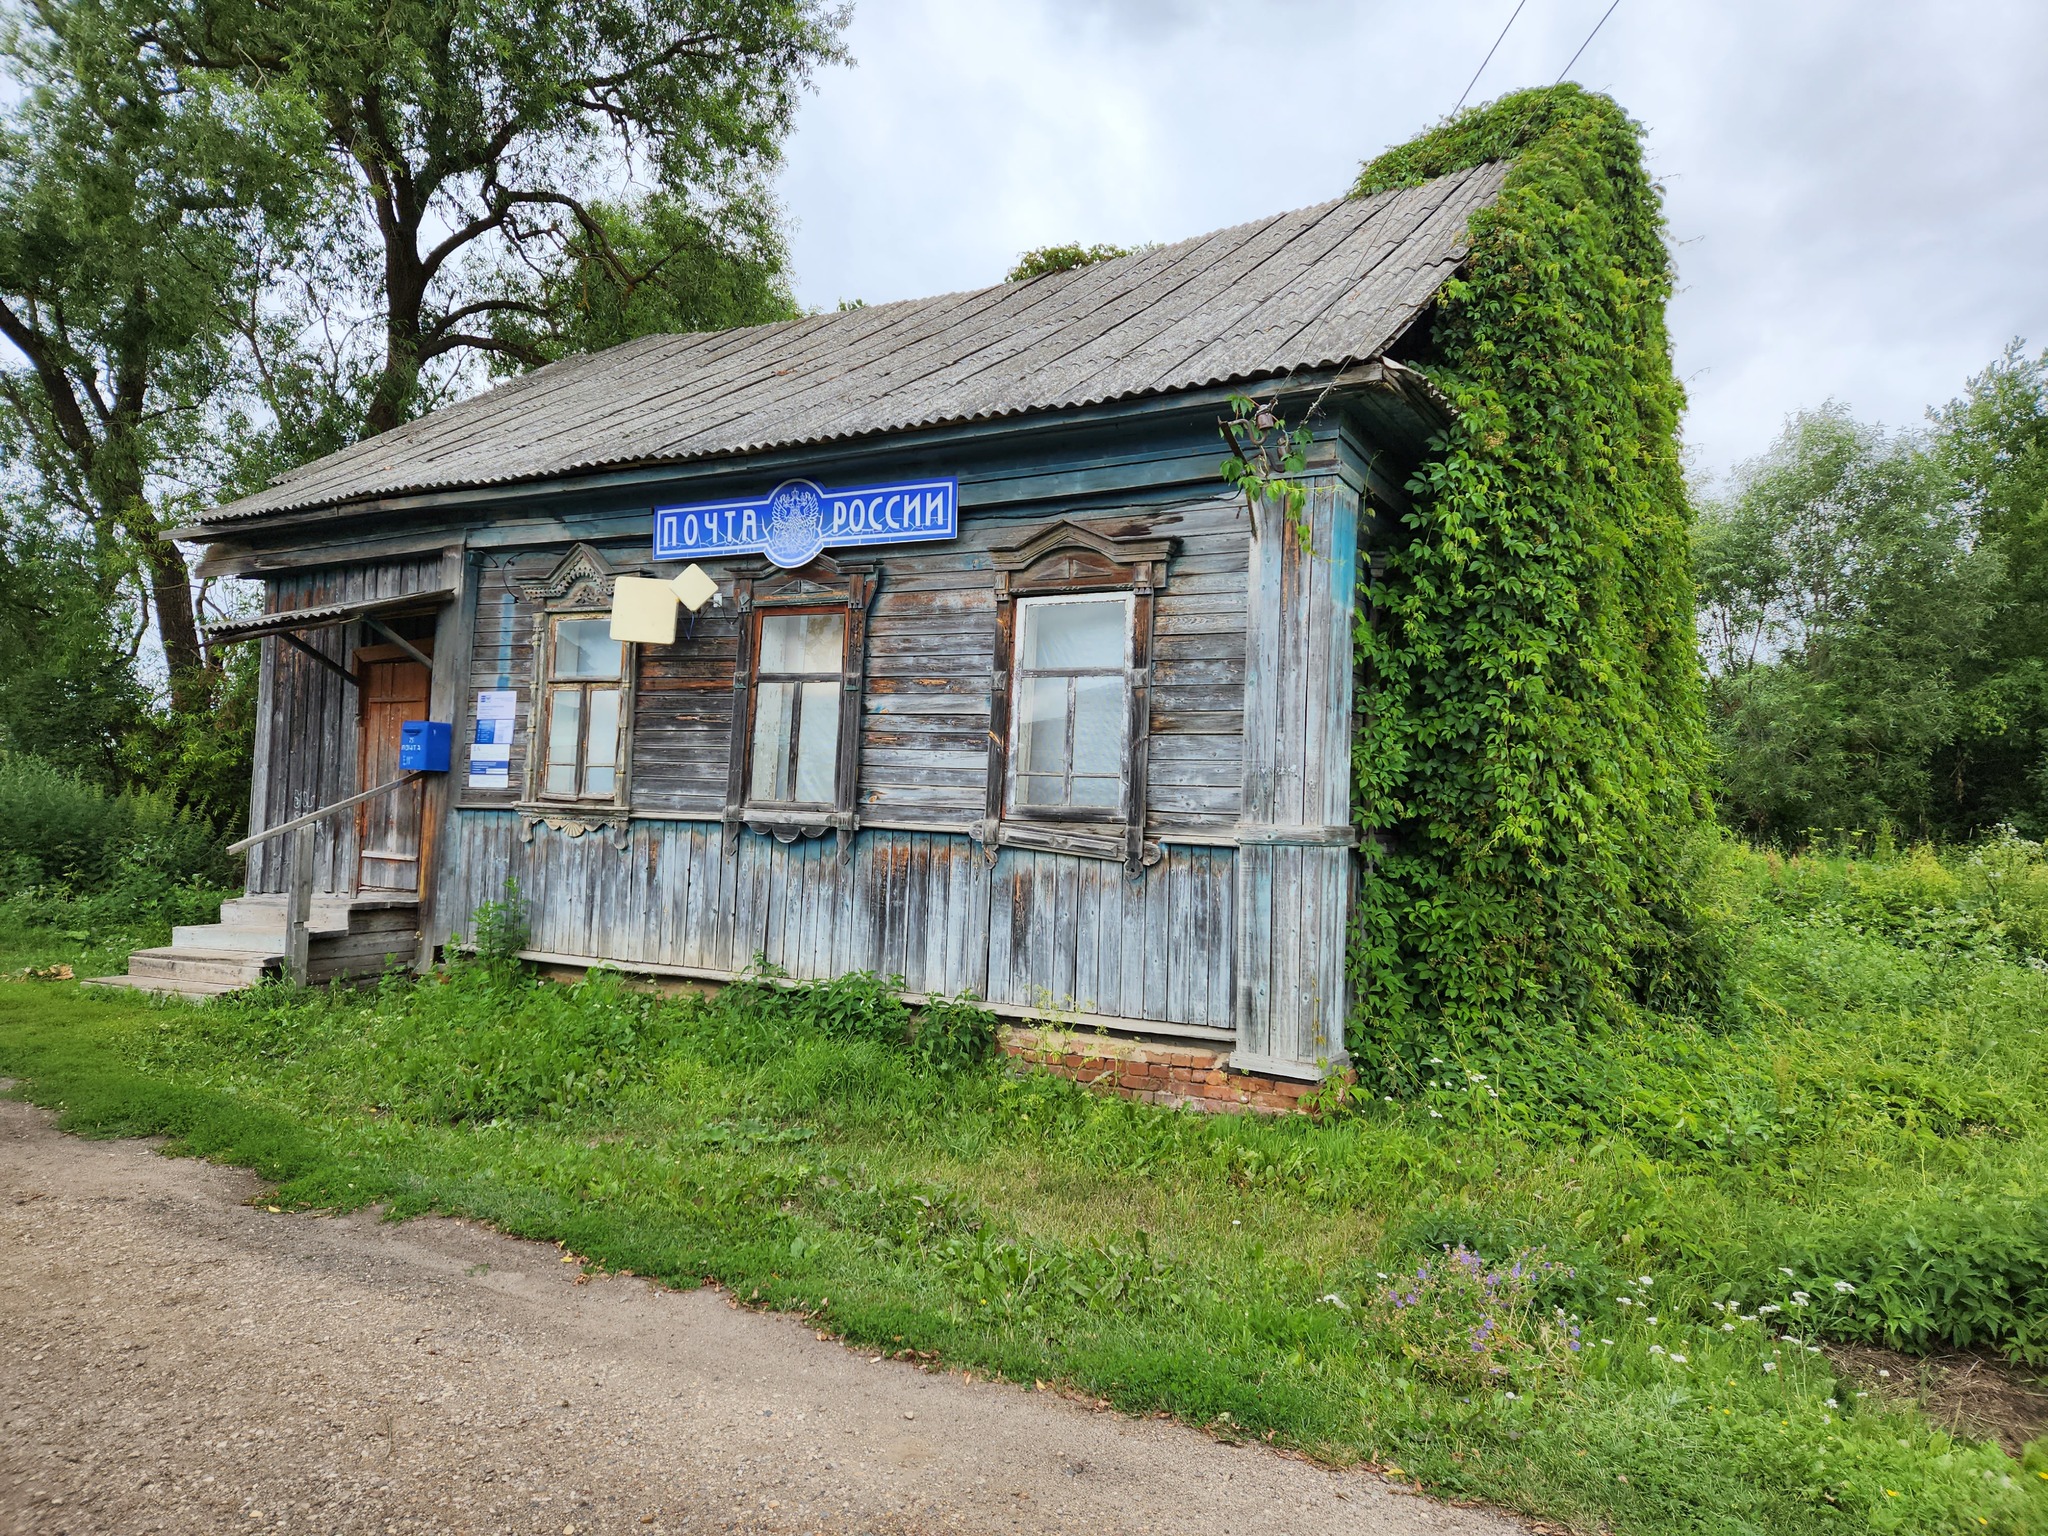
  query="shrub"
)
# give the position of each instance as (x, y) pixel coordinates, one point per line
(1966, 1273)
(58, 831)
(954, 1034)
(1469, 1323)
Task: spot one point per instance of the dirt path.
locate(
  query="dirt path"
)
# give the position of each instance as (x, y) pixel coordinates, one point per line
(174, 1359)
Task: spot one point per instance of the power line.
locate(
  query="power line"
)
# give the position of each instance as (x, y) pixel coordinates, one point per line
(1489, 58)
(1587, 43)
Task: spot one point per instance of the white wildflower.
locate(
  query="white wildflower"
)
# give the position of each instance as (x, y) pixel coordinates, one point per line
(1678, 1359)
(1844, 1288)
(1770, 1365)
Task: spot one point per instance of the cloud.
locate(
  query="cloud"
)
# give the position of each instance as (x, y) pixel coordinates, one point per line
(1853, 189)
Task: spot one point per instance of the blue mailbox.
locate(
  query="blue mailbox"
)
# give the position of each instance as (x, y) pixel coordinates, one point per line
(425, 746)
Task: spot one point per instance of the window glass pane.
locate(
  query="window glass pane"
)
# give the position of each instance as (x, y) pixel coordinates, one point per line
(1097, 794)
(1060, 634)
(1099, 718)
(772, 718)
(817, 746)
(565, 712)
(585, 648)
(601, 744)
(1040, 789)
(802, 642)
(1042, 725)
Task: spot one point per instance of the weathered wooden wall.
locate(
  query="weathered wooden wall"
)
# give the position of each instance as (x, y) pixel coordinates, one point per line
(931, 642)
(1031, 930)
(306, 753)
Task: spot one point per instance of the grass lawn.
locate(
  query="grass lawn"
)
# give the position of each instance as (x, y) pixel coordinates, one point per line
(1645, 1256)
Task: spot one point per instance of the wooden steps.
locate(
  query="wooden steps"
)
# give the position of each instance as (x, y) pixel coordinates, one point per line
(351, 937)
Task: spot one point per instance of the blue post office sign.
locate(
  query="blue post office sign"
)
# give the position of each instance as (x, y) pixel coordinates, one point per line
(800, 517)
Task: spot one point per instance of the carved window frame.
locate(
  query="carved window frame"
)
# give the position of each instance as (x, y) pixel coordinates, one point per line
(824, 585)
(1070, 559)
(579, 586)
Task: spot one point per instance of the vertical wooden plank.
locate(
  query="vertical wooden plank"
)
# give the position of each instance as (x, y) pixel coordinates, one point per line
(1129, 923)
(1001, 929)
(961, 857)
(1090, 875)
(1155, 928)
(298, 909)
(1180, 955)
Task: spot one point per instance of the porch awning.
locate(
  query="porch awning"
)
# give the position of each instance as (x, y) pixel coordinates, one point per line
(321, 616)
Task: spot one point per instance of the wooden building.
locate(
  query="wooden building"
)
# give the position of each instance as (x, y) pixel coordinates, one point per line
(1078, 742)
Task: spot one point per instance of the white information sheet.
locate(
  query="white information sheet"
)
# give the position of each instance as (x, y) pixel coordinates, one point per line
(490, 751)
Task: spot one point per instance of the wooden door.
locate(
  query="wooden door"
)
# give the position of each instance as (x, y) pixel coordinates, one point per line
(388, 842)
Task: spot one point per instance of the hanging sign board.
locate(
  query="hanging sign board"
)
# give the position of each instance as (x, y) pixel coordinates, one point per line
(800, 517)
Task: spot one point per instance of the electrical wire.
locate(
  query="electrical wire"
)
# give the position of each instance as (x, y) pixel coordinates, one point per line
(1489, 58)
(1588, 42)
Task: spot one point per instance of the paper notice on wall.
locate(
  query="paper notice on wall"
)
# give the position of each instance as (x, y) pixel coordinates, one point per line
(490, 750)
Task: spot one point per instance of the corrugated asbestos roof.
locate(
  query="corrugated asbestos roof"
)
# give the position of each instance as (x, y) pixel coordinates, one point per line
(1318, 288)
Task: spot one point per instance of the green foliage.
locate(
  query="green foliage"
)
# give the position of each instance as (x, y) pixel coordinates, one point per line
(953, 1034)
(492, 154)
(1879, 1119)
(1533, 762)
(491, 1044)
(1473, 1324)
(68, 690)
(1843, 593)
(1061, 258)
(498, 930)
(1994, 443)
(652, 268)
(1266, 463)
(59, 832)
(131, 204)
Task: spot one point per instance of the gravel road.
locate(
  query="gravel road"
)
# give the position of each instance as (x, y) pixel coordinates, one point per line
(174, 1357)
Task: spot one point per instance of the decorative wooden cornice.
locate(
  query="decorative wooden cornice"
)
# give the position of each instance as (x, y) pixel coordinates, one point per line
(1070, 557)
(582, 578)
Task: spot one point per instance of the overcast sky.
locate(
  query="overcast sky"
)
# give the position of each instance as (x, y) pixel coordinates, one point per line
(1855, 187)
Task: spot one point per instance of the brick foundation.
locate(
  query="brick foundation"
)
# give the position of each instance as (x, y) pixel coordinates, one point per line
(1152, 1072)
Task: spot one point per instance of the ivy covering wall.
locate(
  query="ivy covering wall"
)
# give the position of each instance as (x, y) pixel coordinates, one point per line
(1532, 761)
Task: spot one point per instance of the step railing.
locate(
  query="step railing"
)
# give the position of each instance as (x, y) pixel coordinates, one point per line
(298, 872)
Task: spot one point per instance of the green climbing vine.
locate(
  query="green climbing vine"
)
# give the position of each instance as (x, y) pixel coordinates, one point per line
(1266, 462)
(1532, 761)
